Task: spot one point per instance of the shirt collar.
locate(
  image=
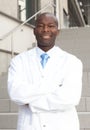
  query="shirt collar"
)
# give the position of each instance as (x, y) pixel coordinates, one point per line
(40, 51)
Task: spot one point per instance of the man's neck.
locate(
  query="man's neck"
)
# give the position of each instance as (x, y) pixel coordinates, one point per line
(45, 48)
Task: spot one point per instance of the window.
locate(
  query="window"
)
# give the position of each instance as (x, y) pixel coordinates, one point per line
(65, 19)
(31, 9)
(28, 8)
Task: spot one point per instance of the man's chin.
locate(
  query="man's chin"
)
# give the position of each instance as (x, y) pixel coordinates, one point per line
(45, 44)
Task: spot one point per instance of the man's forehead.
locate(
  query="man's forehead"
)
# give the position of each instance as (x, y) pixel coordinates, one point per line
(48, 17)
(42, 16)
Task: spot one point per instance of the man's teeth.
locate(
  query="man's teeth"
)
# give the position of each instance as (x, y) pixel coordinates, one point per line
(46, 36)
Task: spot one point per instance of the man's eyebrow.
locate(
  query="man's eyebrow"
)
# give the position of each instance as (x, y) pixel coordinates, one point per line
(48, 23)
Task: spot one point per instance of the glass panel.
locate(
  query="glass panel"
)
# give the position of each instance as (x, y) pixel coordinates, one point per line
(85, 9)
(27, 8)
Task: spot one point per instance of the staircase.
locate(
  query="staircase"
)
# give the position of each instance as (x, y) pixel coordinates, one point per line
(8, 110)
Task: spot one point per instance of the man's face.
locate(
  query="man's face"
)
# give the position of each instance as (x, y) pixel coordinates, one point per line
(46, 31)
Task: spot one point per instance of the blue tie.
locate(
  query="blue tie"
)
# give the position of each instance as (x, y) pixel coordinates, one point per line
(44, 60)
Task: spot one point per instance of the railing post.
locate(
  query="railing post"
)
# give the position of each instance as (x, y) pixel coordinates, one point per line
(12, 46)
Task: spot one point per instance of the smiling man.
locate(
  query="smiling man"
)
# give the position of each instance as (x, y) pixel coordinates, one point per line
(46, 82)
(46, 31)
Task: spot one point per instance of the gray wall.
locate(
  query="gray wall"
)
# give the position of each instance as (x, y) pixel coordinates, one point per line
(9, 7)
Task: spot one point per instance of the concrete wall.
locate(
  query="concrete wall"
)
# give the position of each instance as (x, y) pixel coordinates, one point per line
(20, 40)
(9, 7)
(4, 62)
(77, 42)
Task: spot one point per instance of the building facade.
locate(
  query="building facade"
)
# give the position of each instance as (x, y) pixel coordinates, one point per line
(70, 13)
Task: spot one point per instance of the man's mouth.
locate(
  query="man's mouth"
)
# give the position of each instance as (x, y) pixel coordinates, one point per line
(46, 36)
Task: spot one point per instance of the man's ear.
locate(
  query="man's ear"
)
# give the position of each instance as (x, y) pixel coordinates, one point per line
(58, 32)
(34, 31)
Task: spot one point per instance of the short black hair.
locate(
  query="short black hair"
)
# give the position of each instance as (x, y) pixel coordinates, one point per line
(46, 14)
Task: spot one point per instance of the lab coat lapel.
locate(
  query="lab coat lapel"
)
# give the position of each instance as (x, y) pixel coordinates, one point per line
(52, 67)
(35, 63)
(55, 64)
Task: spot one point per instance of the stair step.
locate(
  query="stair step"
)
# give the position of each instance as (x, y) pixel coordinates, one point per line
(3, 93)
(7, 105)
(84, 118)
(3, 80)
(8, 121)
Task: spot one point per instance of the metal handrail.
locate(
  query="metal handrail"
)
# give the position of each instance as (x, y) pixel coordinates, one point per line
(19, 26)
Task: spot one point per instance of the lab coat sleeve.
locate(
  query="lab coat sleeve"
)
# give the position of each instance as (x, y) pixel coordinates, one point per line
(66, 95)
(20, 89)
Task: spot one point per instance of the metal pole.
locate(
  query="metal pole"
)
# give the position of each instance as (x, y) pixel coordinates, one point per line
(12, 46)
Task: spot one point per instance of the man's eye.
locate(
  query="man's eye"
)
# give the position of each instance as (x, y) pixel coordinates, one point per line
(39, 26)
(52, 26)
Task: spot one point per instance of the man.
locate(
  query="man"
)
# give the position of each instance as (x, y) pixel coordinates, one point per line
(46, 94)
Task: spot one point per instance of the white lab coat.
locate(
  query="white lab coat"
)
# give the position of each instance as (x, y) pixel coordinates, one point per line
(51, 93)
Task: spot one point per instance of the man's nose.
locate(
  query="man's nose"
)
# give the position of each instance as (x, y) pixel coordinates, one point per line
(45, 28)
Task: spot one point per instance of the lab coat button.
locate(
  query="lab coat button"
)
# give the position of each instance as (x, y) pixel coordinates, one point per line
(60, 85)
(44, 125)
(42, 76)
